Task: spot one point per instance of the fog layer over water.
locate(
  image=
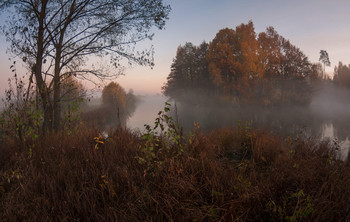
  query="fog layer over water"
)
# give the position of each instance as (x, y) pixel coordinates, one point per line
(326, 118)
(146, 111)
(331, 106)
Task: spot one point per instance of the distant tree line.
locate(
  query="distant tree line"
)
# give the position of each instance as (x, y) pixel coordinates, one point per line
(342, 75)
(243, 67)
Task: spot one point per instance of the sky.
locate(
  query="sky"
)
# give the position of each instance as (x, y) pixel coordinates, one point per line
(311, 25)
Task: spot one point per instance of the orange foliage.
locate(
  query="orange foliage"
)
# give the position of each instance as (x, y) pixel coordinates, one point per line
(233, 59)
(248, 68)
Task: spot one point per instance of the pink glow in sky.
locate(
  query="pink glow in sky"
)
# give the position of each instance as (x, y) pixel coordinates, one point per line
(311, 25)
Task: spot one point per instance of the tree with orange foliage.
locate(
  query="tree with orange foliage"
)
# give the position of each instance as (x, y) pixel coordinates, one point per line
(234, 61)
(270, 52)
(245, 69)
(280, 58)
(286, 69)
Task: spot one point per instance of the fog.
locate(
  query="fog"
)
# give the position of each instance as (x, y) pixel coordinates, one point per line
(146, 111)
(325, 118)
(329, 105)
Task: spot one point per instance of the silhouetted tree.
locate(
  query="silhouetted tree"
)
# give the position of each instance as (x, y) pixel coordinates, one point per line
(325, 60)
(342, 75)
(114, 103)
(131, 102)
(316, 71)
(189, 72)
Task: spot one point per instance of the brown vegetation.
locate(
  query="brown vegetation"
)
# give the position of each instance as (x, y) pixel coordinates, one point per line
(225, 175)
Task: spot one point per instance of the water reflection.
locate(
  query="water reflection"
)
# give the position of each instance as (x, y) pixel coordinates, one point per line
(311, 121)
(341, 146)
(146, 111)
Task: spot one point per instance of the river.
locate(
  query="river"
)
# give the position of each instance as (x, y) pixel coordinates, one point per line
(317, 126)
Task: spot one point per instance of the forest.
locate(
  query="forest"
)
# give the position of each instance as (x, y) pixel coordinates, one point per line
(260, 78)
(221, 149)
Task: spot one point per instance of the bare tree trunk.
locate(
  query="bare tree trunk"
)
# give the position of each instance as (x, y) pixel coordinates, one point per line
(57, 79)
(118, 117)
(57, 93)
(38, 70)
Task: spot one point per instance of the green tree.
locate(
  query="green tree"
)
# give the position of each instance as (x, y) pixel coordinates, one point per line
(55, 38)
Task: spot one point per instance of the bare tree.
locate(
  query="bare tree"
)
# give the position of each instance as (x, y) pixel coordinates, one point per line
(56, 38)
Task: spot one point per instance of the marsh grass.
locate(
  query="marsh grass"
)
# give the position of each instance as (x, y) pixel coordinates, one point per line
(225, 175)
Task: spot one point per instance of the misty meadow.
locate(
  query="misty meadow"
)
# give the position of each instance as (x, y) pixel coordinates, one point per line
(246, 128)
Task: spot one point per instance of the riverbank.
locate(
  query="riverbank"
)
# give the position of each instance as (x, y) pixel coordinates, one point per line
(228, 174)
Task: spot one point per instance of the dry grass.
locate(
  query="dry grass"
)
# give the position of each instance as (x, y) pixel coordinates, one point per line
(225, 175)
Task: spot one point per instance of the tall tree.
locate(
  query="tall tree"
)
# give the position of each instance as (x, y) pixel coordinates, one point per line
(270, 52)
(285, 69)
(189, 72)
(280, 58)
(342, 75)
(234, 60)
(325, 60)
(114, 102)
(222, 58)
(56, 37)
(316, 71)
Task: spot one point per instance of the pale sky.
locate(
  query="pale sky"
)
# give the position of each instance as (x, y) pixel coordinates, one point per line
(311, 25)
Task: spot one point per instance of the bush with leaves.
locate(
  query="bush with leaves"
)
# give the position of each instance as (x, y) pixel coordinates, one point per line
(20, 118)
(164, 140)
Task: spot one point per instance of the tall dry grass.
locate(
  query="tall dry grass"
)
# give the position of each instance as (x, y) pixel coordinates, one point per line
(225, 175)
